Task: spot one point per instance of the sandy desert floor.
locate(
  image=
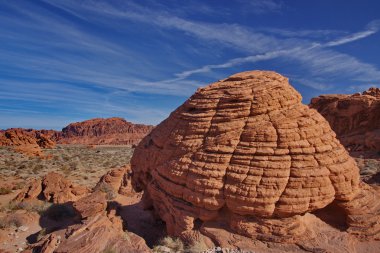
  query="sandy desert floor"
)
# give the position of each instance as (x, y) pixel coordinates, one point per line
(80, 164)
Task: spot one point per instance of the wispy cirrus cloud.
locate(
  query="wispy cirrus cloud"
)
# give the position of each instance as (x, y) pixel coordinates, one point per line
(313, 55)
(262, 6)
(94, 56)
(371, 28)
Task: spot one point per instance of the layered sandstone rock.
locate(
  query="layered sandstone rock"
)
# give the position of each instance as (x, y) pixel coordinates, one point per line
(91, 205)
(116, 131)
(53, 187)
(119, 180)
(354, 118)
(100, 230)
(246, 151)
(27, 141)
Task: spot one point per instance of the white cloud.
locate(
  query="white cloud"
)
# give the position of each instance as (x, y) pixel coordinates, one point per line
(372, 28)
(261, 6)
(104, 64)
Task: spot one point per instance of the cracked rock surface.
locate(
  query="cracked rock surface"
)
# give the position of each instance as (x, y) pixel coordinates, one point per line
(245, 149)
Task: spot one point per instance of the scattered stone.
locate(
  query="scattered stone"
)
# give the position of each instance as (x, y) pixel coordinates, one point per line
(22, 229)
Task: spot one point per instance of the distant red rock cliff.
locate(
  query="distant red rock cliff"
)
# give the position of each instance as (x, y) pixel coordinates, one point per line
(111, 131)
(27, 141)
(354, 118)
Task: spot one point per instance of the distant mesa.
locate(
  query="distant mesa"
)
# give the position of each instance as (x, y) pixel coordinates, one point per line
(354, 118)
(111, 131)
(245, 155)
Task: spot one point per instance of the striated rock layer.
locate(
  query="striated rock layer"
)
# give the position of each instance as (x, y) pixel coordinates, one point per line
(115, 131)
(247, 151)
(354, 118)
(118, 180)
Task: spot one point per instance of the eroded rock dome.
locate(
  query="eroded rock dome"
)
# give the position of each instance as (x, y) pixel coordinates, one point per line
(244, 148)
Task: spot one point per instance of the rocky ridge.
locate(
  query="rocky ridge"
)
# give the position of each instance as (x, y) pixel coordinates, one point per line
(111, 131)
(27, 141)
(355, 118)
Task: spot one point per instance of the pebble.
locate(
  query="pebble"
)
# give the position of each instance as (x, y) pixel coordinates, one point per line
(23, 228)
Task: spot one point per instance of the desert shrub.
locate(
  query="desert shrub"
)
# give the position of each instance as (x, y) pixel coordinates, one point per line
(21, 167)
(126, 237)
(65, 169)
(31, 206)
(41, 234)
(196, 247)
(3, 224)
(10, 221)
(174, 244)
(108, 190)
(108, 249)
(4, 191)
(37, 168)
(59, 212)
(18, 186)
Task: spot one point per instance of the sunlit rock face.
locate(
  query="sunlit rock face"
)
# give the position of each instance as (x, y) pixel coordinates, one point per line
(354, 118)
(245, 150)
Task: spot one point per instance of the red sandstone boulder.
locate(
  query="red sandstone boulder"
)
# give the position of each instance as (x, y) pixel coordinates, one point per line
(53, 188)
(91, 205)
(354, 118)
(26, 141)
(245, 151)
(118, 180)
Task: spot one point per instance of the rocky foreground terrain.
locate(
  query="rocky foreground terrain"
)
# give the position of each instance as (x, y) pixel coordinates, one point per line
(242, 165)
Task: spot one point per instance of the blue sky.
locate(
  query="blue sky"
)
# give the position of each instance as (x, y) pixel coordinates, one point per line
(63, 61)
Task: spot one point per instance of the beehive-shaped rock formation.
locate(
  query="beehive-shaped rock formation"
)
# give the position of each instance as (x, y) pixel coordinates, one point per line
(245, 149)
